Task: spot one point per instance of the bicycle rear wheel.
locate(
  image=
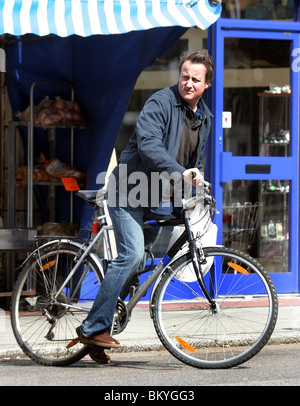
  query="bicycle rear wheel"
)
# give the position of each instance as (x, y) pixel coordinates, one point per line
(244, 319)
(42, 324)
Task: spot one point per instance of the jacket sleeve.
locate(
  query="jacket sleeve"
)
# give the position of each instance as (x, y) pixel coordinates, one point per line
(153, 136)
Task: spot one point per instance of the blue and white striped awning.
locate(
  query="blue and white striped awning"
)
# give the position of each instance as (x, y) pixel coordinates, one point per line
(90, 17)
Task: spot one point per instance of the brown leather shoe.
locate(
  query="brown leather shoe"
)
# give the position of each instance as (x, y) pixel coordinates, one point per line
(101, 340)
(98, 355)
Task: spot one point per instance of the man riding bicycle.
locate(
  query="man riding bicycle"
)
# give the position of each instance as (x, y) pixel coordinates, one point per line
(170, 136)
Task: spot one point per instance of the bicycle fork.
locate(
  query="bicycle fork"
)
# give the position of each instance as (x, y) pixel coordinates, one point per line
(196, 263)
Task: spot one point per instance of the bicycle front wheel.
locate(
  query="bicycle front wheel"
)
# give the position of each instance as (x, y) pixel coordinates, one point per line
(232, 333)
(43, 322)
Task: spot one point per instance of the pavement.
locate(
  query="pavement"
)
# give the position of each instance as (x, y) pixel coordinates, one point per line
(140, 334)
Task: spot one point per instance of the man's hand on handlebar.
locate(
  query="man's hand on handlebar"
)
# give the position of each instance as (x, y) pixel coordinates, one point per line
(193, 176)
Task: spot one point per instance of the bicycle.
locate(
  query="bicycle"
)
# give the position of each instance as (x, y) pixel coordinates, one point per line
(219, 318)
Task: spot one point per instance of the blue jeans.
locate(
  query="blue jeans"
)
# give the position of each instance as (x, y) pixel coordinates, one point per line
(130, 242)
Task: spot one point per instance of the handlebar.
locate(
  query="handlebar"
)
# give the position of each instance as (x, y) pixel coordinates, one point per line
(205, 197)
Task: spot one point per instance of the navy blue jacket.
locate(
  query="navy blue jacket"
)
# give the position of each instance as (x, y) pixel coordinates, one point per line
(155, 143)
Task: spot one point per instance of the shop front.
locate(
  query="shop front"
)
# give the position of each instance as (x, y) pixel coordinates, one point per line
(253, 157)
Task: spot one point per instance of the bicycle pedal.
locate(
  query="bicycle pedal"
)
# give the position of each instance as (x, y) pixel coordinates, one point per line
(73, 342)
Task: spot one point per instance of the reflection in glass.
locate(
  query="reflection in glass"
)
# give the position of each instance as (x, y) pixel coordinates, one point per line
(256, 92)
(258, 9)
(256, 220)
(171, 60)
(274, 123)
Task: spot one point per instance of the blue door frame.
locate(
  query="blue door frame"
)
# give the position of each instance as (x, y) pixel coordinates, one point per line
(225, 167)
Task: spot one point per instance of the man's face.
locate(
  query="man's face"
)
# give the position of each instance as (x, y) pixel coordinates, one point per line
(192, 82)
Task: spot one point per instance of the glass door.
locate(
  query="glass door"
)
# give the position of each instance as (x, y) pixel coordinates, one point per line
(255, 151)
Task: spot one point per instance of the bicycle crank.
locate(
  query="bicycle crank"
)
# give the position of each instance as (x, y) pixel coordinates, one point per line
(121, 317)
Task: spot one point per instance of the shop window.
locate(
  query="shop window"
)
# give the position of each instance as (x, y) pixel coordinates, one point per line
(256, 220)
(257, 94)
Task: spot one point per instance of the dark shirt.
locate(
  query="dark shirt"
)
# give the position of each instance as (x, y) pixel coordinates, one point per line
(189, 141)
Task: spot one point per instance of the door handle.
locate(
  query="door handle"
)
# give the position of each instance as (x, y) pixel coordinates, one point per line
(257, 168)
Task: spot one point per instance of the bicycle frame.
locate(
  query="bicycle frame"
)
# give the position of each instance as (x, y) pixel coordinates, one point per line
(155, 274)
(104, 232)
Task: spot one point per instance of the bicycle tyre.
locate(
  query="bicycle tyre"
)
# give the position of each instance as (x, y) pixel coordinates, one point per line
(43, 327)
(247, 308)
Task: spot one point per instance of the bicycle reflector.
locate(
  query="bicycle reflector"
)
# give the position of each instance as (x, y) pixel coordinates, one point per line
(238, 268)
(185, 345)
(96, 227)
(48, 265)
